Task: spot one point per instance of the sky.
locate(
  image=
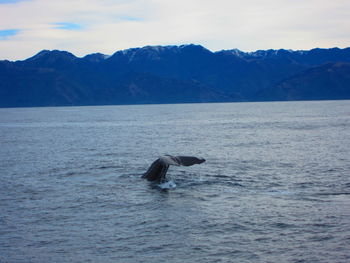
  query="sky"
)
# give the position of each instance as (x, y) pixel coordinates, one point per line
(88, 26)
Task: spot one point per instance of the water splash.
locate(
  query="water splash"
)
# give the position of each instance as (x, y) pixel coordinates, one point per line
(167, 185)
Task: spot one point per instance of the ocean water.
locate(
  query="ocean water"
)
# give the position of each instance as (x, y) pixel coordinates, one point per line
(275, 186)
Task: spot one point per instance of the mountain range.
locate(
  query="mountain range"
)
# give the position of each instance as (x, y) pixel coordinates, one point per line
(174, 74)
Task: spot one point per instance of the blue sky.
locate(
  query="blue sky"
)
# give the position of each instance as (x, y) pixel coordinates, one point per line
(10, 1)
(88, 26)
(67, 26)
(7, 33)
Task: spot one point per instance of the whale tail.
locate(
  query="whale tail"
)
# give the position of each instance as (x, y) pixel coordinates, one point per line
(158, 169)
(189, 160)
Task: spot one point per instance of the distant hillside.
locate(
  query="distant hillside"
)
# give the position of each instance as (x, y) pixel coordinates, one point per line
(329, 81)
(174, 74)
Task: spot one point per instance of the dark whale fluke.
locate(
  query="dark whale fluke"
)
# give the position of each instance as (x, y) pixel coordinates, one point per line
(159, 167)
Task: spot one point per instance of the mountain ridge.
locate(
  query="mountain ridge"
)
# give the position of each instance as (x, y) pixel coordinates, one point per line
(172, 74)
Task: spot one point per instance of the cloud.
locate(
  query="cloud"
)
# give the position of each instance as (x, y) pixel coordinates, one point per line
(87, 26)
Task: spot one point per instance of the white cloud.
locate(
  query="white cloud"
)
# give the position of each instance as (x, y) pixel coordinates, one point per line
(109, 25)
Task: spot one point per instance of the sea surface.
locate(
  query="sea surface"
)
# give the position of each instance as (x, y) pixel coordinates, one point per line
(275, 186)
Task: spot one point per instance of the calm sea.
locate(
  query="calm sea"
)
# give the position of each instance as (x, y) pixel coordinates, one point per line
(275, 187)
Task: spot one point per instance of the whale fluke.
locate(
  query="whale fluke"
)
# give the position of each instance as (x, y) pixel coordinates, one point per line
(158, 169)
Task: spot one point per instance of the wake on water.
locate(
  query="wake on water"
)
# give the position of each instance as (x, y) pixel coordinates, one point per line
(167, 185)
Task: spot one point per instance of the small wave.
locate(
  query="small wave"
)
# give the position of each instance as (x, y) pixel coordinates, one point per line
(323, 225)
(280, 192)
(107, 167)
(326, 194)
(233, 184)
(222, 176)
(72, 173)
(321, 238)
(282, 225)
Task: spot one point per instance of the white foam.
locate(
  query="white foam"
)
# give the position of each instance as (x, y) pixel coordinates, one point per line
(167, 185)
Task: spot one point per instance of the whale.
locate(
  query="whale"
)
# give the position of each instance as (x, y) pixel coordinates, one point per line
(158, 169)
